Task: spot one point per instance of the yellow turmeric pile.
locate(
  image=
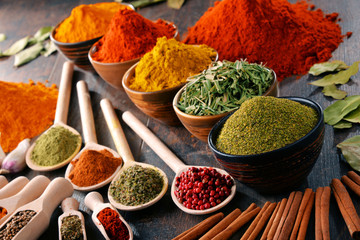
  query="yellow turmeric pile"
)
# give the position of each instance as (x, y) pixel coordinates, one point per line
(87, 22)
(169, 64)
(26, 111)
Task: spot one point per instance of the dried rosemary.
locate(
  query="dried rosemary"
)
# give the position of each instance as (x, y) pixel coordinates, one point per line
(71, 228)
(223, 87)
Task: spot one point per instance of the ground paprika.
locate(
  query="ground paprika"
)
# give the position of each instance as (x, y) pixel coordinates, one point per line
(114, 227)
(289, 38)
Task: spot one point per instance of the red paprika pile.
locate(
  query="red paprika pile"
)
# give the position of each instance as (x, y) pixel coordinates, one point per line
(130, 36)
(114, 227)
(289, 38)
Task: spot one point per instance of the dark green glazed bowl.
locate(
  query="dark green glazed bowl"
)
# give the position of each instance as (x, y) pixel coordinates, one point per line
(277, 170)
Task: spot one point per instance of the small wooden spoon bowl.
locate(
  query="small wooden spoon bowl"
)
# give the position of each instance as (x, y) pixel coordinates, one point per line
(13, 187)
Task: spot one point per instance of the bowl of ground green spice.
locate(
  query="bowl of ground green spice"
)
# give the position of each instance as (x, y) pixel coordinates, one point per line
(218, 90)
(270, 144)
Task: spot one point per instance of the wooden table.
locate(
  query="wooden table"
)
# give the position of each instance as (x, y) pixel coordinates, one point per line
(164, 220)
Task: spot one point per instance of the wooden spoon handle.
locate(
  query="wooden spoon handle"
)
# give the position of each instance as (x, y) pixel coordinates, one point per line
(154, 142)
(116, 131)
(13, 187)
(33, 189)
(69, 203)
(3, 181)
(93, 199)
(86, 113)
(62, 105)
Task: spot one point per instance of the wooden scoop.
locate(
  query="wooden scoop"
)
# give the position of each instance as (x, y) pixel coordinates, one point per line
(70, 207)
(62, 108)
(95, 202)
(3, 181)
(172, 161)
(87, 120)
(13, 187)
(123, 149)
(44, 206)
(29, 193)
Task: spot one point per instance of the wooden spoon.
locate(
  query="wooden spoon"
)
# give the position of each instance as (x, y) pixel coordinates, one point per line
(3, 181)
(172, 161)
(44, 206)
(87, 120)
(95, 202)
(123, 149)
(70, 207)
(62, 108)
(29, 193)
(13, 187)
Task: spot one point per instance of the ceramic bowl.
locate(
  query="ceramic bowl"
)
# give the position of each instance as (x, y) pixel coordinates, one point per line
(277, 170)
(78, 52)
(157, 105)
(113, 73)
(200, 126)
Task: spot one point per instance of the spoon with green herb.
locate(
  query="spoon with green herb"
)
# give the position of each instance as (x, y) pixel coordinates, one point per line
(137, 185)
(185, 174)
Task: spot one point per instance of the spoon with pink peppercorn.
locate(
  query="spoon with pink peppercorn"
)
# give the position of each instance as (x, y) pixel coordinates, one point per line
(196, 190)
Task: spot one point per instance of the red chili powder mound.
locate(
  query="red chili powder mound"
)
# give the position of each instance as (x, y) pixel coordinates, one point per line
(130, 36)
(289, 38)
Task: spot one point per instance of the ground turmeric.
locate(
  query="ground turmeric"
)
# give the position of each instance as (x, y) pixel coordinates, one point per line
(169, 64)
(26, 111)
(87, 22)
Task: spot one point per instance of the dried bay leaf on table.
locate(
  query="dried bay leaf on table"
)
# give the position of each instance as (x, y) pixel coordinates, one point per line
(350, 149)
(353, 116)
(332, 91)
(28, 54)
(332, 66)
(176, 4)
(142, 3)
(41, 35)
(341, 77)
(2, 37)
(338, 110)
(49, 48)
(343, 124)
(16, 47)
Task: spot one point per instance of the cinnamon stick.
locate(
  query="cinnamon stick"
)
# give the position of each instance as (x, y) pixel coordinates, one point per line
(301, 212)
(284, 214)
(237, 224)
(268, 226)
(306, 217)
(221, 225)
(318, 231)
(277, 219)
(249, 209)
(186, 232)
(262, 221)
(290, 218)
(325, 207)
(346, 207)
(351, 184)
(354, 176)
(255, 222)
(202, 227)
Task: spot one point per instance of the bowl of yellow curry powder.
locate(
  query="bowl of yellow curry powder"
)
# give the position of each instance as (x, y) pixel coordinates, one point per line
(152, 83)
(269, 143)
(86, 24)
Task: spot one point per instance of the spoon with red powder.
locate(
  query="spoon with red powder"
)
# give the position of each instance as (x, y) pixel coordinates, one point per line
(195, 189)
(95, 165)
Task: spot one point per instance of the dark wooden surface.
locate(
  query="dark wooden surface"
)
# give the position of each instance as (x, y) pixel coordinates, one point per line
(164, 220)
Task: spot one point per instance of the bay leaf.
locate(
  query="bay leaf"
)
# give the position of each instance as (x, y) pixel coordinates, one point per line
(143, 3)
(350, 149)
(43, 33)
(176, 4)
(332, 66)
(16, 47)
(341, 77)
(2, 37)
(49, 48)
(353, 116)
(28, 54)
(332, 91)
(343, 124)
(338, 110)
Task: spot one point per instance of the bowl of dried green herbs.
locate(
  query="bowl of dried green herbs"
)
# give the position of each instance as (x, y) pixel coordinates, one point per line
(219, 90)
(269, 143)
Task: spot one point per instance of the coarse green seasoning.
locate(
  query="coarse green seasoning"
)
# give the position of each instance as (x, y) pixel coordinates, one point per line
(223, 87)
(55, 146)
(137, 185)
(71, 228)
(263, 124)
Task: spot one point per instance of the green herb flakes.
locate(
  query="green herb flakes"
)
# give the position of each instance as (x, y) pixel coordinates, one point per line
(320, 68)
(71, 228)
(350, 149)
(136, 185)
(223, 87)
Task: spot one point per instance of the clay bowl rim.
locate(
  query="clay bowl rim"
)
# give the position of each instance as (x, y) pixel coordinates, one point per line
(182, 114)
(262, 156)
(86, 42)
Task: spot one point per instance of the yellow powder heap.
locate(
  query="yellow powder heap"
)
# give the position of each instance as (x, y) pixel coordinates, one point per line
(169, 64)
(87, 22)
(26, 111)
